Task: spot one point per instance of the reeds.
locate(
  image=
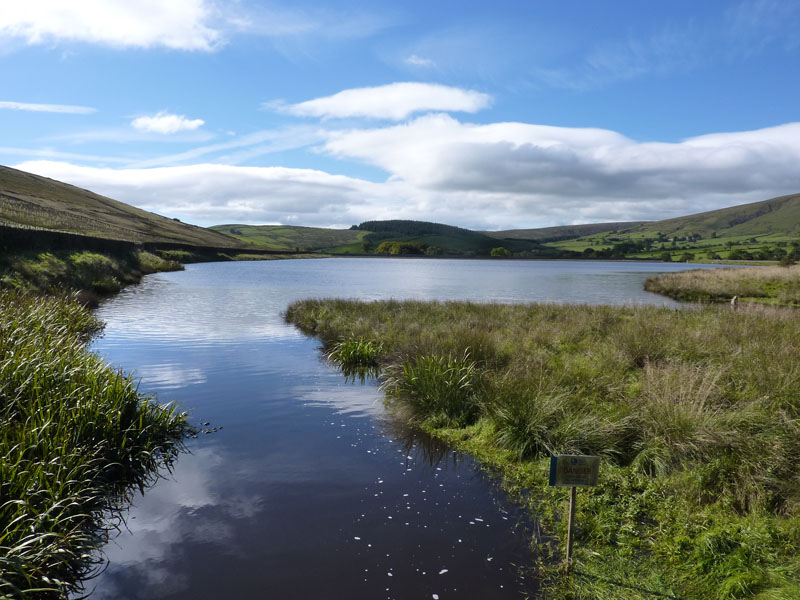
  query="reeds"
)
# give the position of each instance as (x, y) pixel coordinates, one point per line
(76, 440)
(695, 412)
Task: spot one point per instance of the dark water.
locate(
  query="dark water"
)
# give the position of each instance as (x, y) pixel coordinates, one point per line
(308, 490)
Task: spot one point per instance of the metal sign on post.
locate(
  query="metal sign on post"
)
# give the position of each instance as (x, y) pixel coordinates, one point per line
(573, 471)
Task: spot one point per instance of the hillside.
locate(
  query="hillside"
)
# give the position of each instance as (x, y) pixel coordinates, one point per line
(32, 201)
(768, 230)
(383, 237)
(776, 216)
(288, 237)
(562, 232)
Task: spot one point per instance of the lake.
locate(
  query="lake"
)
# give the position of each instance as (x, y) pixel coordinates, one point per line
(307, 489)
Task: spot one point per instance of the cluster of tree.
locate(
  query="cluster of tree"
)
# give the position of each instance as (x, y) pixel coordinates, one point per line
(619, 250)
(412, 228)
(765, 253)
(398, 248)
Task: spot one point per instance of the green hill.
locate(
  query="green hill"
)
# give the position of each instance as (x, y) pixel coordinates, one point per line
(32, 201)
(382, 237)
(776, 216)
(288, 237)
(766, 230)
(562, 232)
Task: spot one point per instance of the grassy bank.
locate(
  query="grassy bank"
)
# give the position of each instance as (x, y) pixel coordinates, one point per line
(76, 440)
(695, 414)
(93, 273)
(96, 274)
(770, 285)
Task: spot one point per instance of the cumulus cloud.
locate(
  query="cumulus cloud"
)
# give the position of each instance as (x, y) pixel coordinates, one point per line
(395, 101)
(166, 123)
(177, 24)
(439, 152)
(209, 194)
(53, 108)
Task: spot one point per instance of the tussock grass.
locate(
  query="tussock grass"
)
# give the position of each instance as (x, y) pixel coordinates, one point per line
(94, 273)
(774, 285)
(696, 414)
(76, 439)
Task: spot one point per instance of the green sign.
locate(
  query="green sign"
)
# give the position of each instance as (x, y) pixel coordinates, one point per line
(568, 470)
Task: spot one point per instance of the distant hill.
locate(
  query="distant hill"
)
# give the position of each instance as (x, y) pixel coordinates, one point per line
(289, 237)
(421, 237)
(32, 201)
(562, 232)
(776, 216)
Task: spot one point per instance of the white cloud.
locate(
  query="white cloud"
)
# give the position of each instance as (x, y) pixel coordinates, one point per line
(394, 101)
(54, 108)
(438, 152)
(419, 61)
(177, 24)
(166, 123)
(495, 176)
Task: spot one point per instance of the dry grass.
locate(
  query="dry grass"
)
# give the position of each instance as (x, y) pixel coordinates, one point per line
(779, 285)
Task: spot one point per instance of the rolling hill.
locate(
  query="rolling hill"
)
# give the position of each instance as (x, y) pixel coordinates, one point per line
(775, 216)
(562, 232)
(35, 202)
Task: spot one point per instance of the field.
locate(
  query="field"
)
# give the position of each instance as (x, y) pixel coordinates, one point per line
(694, 413)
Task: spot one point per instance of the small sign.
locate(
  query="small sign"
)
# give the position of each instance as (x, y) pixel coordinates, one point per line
(568, 470)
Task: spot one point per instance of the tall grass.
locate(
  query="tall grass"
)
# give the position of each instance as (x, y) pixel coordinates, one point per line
(775, 285)
(94, 273)
(696, 414)
(76, 439)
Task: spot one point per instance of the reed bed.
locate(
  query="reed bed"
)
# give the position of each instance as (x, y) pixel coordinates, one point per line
(696, 414)
(774, 285)
(77, 439)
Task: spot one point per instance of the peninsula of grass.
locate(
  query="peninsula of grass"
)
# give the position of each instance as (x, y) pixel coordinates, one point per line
(776, 285)
(694, 413)
(76, 441)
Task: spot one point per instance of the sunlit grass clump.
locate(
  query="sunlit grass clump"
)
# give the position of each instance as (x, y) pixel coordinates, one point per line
(76, 439)
(695, 413)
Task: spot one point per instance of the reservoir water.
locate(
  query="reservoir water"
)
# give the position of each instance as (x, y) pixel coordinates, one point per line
(307, 489)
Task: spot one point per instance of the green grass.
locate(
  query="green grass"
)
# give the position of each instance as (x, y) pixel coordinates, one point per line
(770, 285)
(76, 441)
(695, 413)
(94, 273)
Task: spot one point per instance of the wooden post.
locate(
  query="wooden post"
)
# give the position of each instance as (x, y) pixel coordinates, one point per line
(570, 525)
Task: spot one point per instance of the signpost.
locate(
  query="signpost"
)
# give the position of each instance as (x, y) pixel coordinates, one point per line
(573, 471)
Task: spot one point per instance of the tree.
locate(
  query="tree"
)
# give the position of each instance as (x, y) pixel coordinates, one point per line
(501, 252)
(666, 257)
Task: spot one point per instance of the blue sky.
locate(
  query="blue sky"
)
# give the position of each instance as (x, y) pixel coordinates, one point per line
(485, 115)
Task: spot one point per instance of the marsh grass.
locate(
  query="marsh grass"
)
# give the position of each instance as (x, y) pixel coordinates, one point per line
(94, 273)
(76, 440)
(696, 414)
(774, 285)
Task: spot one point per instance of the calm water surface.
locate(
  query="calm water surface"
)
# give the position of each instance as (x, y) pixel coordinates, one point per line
(308, 490)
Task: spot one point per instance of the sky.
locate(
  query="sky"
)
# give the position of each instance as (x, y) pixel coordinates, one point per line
(489, 116)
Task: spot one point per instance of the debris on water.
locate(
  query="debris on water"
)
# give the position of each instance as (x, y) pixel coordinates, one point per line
(443, 571)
